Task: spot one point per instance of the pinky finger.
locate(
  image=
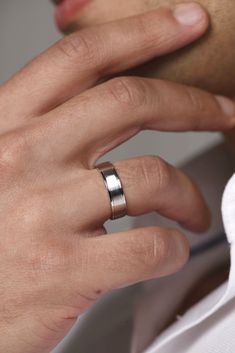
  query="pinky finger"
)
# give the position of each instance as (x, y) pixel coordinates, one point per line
(125, 258)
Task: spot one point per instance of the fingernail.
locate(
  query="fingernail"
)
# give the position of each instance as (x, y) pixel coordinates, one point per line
(226, 105)
(188, 14)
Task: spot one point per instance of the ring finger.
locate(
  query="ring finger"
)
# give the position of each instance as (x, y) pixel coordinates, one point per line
(149, 183)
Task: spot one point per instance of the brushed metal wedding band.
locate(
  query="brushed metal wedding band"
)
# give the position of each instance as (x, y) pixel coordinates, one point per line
(114, 187)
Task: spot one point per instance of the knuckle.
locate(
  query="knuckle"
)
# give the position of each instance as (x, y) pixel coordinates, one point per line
(13, 150)
(195, 102)
(155, 172)
(47, 257)
(151, 251)
(78, 45)
(50, 256)
(34, 213)
(157, 250)
(47, 254)
(130, 92)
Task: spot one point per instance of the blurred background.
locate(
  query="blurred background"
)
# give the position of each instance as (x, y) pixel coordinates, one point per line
(27, 28)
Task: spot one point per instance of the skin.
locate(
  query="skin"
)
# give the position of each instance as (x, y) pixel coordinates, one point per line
(58, 116)
(207, 63)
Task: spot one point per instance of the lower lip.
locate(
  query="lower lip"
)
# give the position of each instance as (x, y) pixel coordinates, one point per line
(68, 10)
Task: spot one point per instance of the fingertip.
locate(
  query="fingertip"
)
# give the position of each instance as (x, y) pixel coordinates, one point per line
(182, 249)
(199, 222)
(176, 252)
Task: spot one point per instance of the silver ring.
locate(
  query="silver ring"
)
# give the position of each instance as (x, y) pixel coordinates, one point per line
(114, 187)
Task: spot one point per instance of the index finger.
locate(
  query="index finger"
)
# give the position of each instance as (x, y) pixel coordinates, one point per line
(78, 61)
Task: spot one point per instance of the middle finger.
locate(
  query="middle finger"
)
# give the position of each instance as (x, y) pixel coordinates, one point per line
(105, 116)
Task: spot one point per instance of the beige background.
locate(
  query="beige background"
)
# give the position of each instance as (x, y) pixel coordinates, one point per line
(26, 28)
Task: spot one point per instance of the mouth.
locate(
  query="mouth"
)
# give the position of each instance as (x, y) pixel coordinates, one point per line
(67, 11)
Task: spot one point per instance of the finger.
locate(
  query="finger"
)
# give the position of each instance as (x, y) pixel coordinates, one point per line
(149, 183)
(122, 259)
(81, 59)
(105, 116)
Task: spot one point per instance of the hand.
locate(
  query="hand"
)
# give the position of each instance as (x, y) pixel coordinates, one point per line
(56, 258)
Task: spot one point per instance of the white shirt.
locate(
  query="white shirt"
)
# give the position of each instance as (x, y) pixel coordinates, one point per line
(131, 320)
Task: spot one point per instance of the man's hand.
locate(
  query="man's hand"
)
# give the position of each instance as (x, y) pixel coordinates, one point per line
(56, 121)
